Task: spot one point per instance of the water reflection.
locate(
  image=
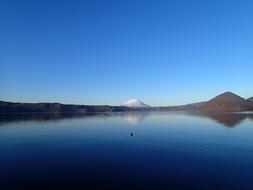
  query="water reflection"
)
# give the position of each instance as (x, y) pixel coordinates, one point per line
(228, 119)
(225, 119)
(134, 117)
(250, 116)
(42, 117)
(104, 148)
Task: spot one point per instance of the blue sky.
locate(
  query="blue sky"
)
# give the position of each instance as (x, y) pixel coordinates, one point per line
(106, 52)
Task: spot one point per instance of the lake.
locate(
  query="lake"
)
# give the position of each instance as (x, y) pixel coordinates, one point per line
(136, 150)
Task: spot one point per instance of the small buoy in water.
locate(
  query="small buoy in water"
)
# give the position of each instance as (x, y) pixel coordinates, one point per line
(132, 134)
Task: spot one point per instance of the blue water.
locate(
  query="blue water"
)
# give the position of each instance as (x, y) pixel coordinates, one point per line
(127, 151)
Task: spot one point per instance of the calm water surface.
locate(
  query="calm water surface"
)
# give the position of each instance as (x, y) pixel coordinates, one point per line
(127, 151)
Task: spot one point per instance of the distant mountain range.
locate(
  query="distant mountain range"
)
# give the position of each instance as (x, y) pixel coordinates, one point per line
(10, 107)
(226, 102)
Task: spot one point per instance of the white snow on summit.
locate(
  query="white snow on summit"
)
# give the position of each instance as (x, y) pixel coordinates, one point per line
(135, 103)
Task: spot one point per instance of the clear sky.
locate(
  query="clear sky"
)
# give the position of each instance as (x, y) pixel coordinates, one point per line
(106, 52)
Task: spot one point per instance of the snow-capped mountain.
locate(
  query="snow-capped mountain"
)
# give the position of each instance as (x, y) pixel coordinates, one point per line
(135, 103)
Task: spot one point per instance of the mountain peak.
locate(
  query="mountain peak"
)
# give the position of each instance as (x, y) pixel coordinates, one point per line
(227, 102)
(135, 103)
(227, 97)
(228, 93)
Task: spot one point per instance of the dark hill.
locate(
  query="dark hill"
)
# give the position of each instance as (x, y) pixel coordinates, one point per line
(250, 99)
(227, 102)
